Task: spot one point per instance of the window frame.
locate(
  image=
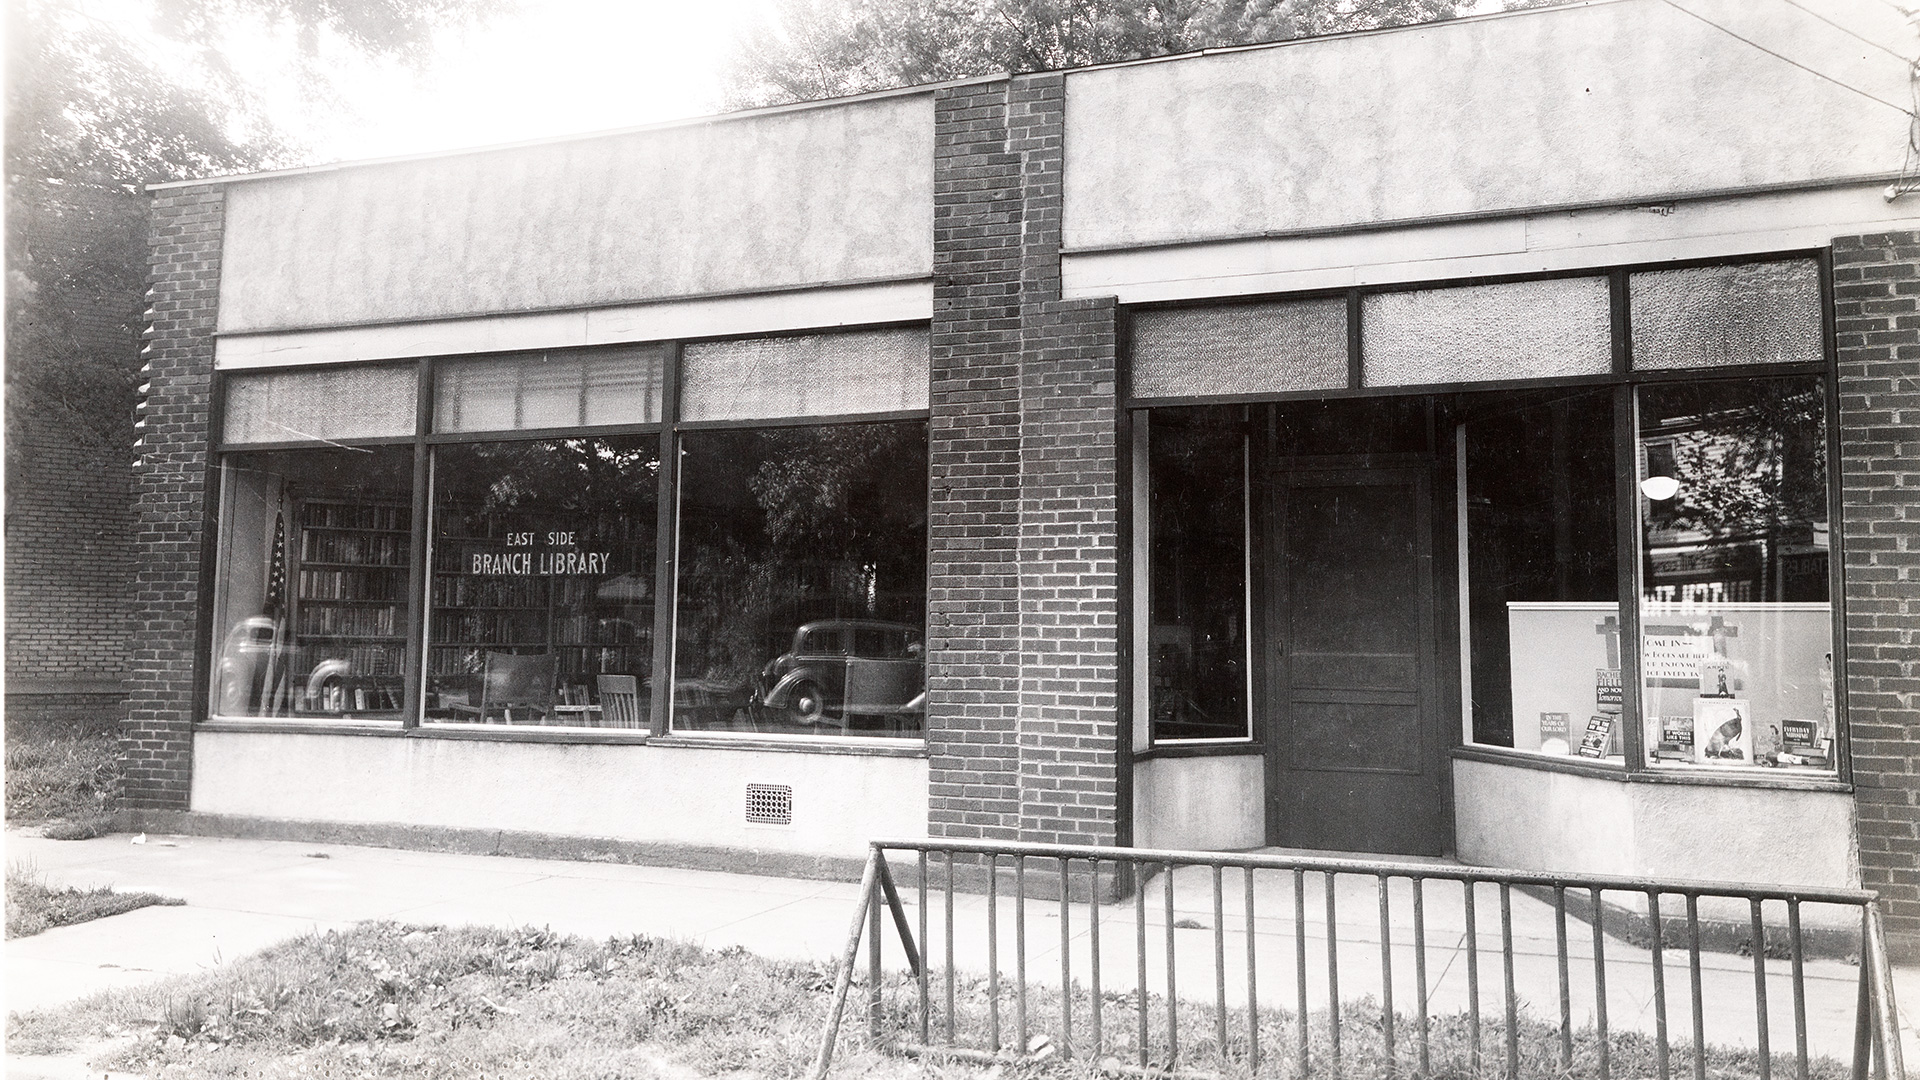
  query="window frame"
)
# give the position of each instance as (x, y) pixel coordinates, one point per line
(1624, 380)
(422, 442)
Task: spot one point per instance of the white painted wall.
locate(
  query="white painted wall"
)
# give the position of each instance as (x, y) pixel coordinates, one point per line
(682, 795)
(1531, 819)
(1620, 100)
(1213, 803)
(830, 195)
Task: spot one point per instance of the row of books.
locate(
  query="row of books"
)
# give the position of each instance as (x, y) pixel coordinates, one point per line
(377, 549)
(486, 592)
(347, 621)
(379, 583)
(575, 662)
(483, 627)
(329, 515)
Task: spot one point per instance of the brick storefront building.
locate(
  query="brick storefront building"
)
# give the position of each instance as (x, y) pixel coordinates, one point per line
(1423, 441)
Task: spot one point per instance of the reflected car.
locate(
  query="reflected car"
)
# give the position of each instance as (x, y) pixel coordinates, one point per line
(840, 668)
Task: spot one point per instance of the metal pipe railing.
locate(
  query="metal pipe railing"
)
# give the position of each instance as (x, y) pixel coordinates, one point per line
(1217, 1028)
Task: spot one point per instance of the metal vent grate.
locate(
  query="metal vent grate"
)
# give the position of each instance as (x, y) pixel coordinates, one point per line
(770, 804)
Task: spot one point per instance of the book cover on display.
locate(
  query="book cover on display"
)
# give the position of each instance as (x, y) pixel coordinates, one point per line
(1556, 733)
(1598, 741)
(1606, 689)
(1676, 739)
(1723, 731)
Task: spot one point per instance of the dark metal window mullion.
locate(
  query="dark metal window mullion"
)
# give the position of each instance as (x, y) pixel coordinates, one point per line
(1356, 370)
(1627, 563)
(666, 543)
(420, 595)
(1836, 509)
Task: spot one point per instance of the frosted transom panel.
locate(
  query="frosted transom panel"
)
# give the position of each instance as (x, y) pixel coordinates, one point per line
(359, 402)
(557, 388)
(866, 371)
(1716, 316)
(1480, 333)
(1240, 349)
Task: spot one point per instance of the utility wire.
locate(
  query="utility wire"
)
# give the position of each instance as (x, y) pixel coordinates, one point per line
(1850, 33)
(1901, 109)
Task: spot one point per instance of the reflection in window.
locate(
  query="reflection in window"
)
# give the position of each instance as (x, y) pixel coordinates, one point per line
(541, 602)
(802, 588)
(1539, 556)
(312, 589)
(1736, 632)
(1197, 553)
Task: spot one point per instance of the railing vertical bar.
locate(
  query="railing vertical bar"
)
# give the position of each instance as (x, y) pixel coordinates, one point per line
(1863, 1006)
(1662, 1066)
(1333, 972)
(1093, 943)
(1020, 952)
(1386, 973)
(1173, 998)
(993, 951)
(1761, 1046)
(1420, 973)
(1300, 963)
(1253, 997)
(1566, 983)
(1219, 966)
(921, 981)
(1473, 984)
(1066, 958)
(1140, 953)
(1799, 989)
(1604, 1040)
(1506, 965)
(875, 1009)
(950, 965)
(1699, 995)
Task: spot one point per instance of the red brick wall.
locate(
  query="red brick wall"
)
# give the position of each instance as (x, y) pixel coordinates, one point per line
(69, 534)
(1876, 296)
(1024, 591)
(170, 486)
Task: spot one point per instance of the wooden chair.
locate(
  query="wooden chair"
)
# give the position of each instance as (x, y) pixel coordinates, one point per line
(620, 701)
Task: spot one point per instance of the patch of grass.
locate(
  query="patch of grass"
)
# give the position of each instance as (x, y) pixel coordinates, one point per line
(386, 1000)
(33, 905)
(61, 774)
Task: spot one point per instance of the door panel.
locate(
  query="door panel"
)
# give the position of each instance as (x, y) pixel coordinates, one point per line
(1353, 762)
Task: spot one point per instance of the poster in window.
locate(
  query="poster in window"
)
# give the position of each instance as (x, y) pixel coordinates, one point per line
(1723, 731)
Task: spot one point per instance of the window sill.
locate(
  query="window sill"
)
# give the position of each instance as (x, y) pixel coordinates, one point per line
(1695, 777)
(505, 734)
(382, 728)
(911, 748)
(1239, 748)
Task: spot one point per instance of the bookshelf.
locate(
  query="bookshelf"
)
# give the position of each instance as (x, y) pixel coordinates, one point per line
(593, 625)
(348, 610)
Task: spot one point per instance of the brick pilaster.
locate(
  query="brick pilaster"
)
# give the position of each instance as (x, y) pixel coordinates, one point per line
(156, 745)
(1877, 332)
(1023, 592)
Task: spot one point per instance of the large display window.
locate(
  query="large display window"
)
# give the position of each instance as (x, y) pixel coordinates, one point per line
(310, 605)
(541, 599)
(801, 597)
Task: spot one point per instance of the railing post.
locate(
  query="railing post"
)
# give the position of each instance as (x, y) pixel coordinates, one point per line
(1885, 1010)
(843, 978)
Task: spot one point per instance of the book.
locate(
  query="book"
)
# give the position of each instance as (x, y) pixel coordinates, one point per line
(1676, 739)
(1723, 731)
(1598, 741)
(1799, 735)
(1606, 689)
(1556, 733)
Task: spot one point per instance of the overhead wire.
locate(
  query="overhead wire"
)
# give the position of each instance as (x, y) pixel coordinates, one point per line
(1903, 110)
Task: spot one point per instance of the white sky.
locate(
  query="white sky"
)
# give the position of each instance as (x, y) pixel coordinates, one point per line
(552, 67)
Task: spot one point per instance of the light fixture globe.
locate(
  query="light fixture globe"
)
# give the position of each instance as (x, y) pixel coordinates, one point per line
(1659, 488)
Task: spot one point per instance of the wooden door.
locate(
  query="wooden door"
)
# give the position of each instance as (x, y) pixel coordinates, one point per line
(1354, 760)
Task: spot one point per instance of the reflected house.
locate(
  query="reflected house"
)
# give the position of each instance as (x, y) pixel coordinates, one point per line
(1225, 450)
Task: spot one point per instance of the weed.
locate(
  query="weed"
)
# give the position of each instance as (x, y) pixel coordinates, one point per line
(34, 906)
(56, 774)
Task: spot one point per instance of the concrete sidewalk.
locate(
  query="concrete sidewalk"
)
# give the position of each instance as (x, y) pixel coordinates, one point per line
(242, 895)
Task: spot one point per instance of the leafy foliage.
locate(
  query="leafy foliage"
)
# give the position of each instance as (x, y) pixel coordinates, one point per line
(826, 48)
(34, 906)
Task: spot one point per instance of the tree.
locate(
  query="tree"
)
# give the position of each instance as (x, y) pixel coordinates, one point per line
(91, 119)
(816, 49)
